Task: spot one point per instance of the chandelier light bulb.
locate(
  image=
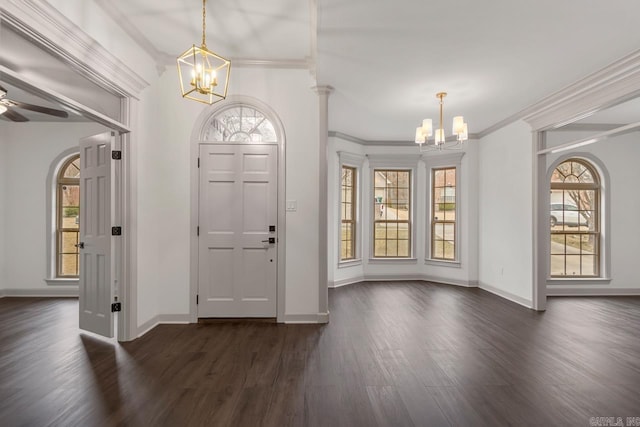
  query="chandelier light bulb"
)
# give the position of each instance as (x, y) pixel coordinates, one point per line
(439, 142)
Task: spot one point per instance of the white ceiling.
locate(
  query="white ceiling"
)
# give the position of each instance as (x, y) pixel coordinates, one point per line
(387, 59)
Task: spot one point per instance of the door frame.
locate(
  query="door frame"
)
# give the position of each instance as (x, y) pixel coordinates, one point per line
(196, 140)
(49, 29)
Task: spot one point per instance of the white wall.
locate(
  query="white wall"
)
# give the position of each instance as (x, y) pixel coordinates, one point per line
(505, 212)
(3, 203)
(619, 156)
(164, 187)
(29, 150)
(92, 20)
(465, 273)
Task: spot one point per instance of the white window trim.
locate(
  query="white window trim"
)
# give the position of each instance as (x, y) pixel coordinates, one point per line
(51, 204)
(605, 223)
(439, 162)
(401, 162)
(354, 161)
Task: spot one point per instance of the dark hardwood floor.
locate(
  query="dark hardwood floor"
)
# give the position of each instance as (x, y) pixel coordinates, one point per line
(394, 354)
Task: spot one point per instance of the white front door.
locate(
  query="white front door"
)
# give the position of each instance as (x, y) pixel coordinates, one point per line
(238, 205)
(96, 292)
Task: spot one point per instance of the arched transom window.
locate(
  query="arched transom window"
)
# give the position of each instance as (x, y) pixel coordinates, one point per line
(575, 220)
(68, 218)
(239, 123)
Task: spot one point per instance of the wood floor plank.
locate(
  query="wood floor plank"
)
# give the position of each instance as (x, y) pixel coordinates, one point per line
(394, 354)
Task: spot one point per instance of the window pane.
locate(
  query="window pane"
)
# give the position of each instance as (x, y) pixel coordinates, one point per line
(380, 249)
(589, 265)
(392, 213)
(404, 248)
(72, 170)
(69, 240)
(449, 249)
(69, 265)
(572, 265)
(438, 249)
(70, 206)
(403, 231)
(557, 265)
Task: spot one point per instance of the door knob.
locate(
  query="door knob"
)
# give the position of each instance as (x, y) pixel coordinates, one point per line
(80, 245)
(270, 240)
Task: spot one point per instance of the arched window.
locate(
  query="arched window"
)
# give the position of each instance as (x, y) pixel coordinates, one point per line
(575, 220)
(239, 123)
(68, 218)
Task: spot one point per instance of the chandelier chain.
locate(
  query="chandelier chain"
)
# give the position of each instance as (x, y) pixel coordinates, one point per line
(204, 22)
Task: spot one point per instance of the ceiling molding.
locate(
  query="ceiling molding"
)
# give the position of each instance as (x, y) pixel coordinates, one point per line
(271, 63)
(355, 139)
(615, 83)
(45, 26)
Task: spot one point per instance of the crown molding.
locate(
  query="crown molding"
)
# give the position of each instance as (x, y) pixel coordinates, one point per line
(45, 26)
(301, 64)
(616, 83)
(355, 139)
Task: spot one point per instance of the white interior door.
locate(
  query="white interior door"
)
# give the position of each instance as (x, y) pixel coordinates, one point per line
(238, 205)
(96, 291)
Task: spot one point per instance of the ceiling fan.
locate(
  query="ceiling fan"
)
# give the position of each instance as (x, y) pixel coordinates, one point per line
(7, 108)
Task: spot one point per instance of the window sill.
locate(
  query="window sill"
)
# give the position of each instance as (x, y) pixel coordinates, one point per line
(62, 282)
(443, 263)
(579, 281)
(349, 263)
(393, 260)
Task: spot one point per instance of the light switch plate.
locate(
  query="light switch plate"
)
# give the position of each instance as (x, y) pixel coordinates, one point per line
(292, 205)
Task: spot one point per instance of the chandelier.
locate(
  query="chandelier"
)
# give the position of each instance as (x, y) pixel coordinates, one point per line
(204, 75)
(424, 132)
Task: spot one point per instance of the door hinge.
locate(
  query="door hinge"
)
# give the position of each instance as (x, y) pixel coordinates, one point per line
(116, 306)
(197, 299)
(116, 231)
(198, 162)
(198, 230)
(116, 155)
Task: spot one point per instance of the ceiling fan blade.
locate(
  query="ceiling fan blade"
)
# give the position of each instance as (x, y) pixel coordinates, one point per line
(14, 116)
(41, 109)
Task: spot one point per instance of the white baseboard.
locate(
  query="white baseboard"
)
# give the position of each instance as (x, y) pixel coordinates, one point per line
(40, 292)
(162, 319)
(345, 282)
(553, 291)
(506, 295)
(1, 293)
(307, 318)
(404, 277)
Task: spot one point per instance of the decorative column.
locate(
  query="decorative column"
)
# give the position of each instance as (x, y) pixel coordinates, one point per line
(323, 268)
